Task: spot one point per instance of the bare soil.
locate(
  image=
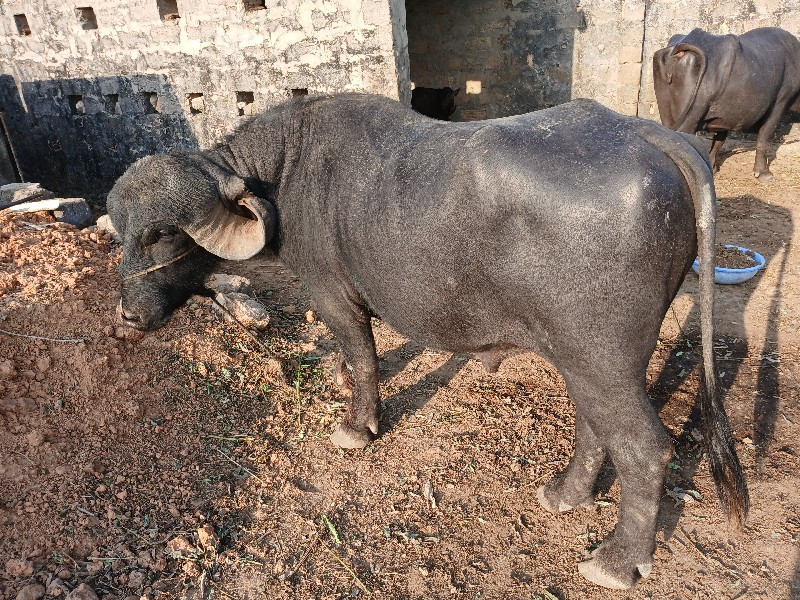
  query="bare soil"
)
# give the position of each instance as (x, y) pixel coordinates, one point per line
(190, 463)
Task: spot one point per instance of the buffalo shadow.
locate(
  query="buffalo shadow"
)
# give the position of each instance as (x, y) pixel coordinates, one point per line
(77, 136)
(732, 347)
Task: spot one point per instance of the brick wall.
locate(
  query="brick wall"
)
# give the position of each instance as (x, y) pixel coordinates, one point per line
(87, 90)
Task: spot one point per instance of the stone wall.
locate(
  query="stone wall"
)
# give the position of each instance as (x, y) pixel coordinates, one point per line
(88, 87)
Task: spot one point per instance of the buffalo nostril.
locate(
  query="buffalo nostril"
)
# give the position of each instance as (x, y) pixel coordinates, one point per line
(130, 317)
(127, 316)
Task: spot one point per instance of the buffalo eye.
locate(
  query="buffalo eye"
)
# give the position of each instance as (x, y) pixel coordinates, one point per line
(159, 234)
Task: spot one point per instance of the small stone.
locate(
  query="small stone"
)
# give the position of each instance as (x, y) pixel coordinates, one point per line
(207, 536)
(289, 309)
(17, 567)
(136, 579)
(82, 592)
(180, 546)
(56, 588)
(310, 317)
(43, 364)
(122, 495)
(7, 370)
(33, 591)
(64, 574)
(34, 438)
(12, 192)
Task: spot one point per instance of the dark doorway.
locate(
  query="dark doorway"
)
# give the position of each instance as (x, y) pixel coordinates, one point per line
(506, 57)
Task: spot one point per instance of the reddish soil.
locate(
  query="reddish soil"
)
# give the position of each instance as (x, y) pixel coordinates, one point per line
(187, 462)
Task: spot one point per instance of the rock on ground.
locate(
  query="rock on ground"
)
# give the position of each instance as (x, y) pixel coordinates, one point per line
(249, 312)
(11, 192)
(33, 591)
(82, 592)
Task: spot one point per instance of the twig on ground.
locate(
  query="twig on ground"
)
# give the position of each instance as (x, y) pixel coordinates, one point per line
(712, 561)
(347, 568)
(242, 467)
(303, 558)
(25, 456)
(45, 339)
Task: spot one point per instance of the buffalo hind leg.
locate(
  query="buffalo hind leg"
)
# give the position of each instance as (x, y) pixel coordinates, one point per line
(351, 327)
(575, 485)
(628, 427)
(761, 168)
(716, 145)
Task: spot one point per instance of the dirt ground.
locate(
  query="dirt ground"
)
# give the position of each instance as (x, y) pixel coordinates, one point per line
(189, 463)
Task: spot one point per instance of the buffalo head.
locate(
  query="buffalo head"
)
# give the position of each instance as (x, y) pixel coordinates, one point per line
(177, 215)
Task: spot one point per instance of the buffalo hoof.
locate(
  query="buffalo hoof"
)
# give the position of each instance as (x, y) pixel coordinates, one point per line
(347, 437)
(593, 571)
(764, 177)
(549, 500)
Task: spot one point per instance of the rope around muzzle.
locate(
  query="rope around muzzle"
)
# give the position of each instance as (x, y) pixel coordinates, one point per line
(159, 266)
(217, 302)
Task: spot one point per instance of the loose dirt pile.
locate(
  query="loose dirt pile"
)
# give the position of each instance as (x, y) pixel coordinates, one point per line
(188, 462)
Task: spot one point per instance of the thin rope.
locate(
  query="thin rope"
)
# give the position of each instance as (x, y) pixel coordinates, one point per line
(160, 266)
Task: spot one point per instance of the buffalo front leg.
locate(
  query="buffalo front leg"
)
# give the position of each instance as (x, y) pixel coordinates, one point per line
(351, 327)
(627, 425)
(575, 485)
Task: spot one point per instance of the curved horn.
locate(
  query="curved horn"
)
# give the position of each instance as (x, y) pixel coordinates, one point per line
(233, 236)
(701, 56)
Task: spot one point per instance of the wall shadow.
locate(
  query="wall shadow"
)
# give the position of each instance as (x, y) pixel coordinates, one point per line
(732, 351)
(77, 136)
(519, 52)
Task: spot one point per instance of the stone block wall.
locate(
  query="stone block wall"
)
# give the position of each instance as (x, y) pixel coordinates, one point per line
(89, 86)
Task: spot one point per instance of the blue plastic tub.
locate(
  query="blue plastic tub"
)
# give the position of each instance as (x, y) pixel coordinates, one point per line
(728, 276)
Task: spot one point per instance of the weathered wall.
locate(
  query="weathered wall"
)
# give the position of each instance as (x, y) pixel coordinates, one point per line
(520, 52)
(82, 104)
(608, 53)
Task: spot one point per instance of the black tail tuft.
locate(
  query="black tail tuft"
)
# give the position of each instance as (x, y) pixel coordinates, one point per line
(725, 466)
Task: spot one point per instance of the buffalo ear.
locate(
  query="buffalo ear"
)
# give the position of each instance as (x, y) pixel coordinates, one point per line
(237, 227)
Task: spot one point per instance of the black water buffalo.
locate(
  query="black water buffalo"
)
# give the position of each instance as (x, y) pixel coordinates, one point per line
(464, 236)
(436, 103)
(722, 83)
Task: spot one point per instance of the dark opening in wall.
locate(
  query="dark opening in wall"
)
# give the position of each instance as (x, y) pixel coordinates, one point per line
(300, 92)
(244, 103)
(168, 10)
(21, 22)
(76, 106)
(86, 17)
(197, 104)
(254, 5)
(152, 105)
(112, 104)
